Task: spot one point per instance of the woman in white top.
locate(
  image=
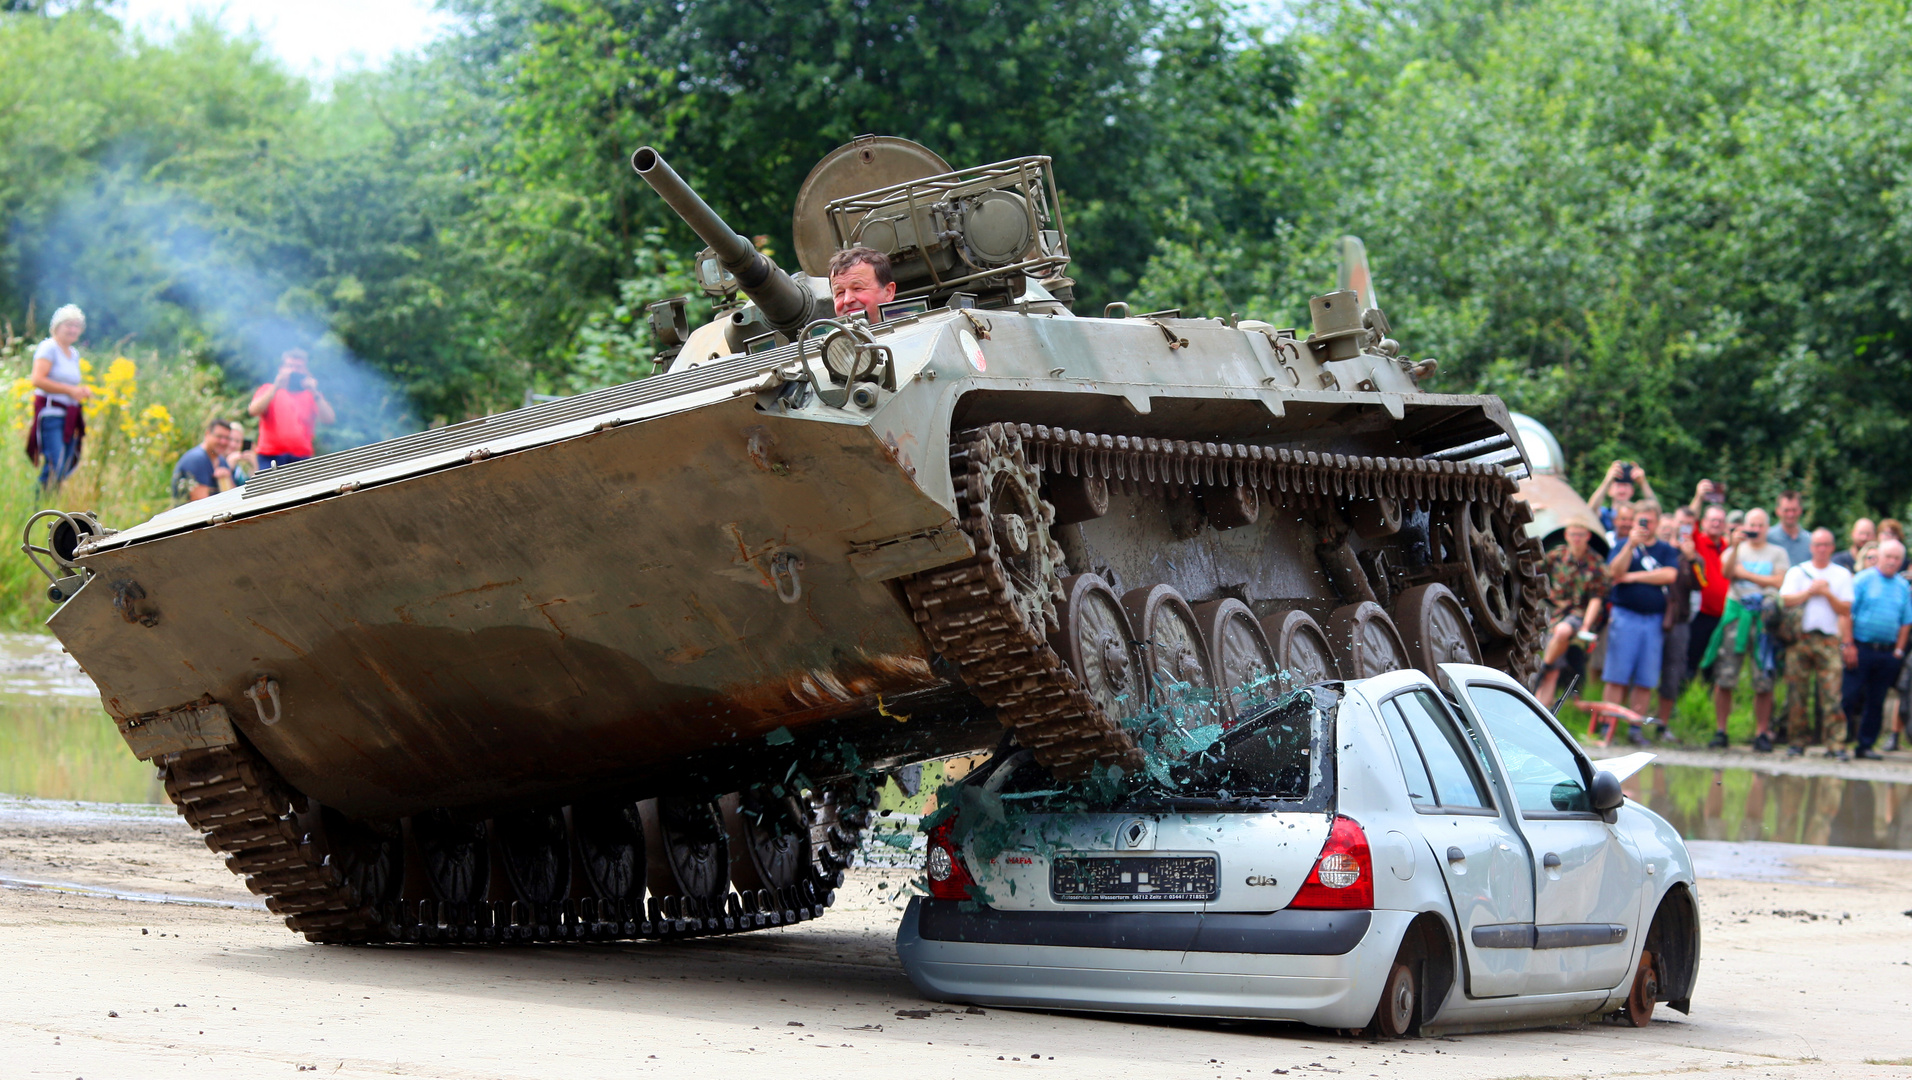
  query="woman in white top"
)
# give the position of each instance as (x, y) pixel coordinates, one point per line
(58, 425)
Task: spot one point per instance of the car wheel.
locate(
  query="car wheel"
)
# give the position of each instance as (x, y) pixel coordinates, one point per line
(1646, 989)
(1394, 1016)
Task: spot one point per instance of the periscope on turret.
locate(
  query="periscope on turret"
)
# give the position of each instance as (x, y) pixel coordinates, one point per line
(627, 664)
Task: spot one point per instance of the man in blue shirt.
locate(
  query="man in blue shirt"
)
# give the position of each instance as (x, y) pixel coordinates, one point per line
(1640, 570)
(203, 470)
(1881, 623)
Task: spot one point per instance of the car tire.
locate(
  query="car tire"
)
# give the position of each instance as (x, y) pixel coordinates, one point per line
(1400, 999)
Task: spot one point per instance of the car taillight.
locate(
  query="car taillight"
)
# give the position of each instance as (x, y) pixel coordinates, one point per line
(1343, 876)
(948, 879)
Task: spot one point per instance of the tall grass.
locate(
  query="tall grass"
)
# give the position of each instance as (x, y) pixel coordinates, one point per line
(145, 412)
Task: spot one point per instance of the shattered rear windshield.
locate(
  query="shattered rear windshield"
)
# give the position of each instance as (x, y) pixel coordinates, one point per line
(1276, 754)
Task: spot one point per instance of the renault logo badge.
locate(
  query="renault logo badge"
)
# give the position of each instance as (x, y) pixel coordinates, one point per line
(1135, 834)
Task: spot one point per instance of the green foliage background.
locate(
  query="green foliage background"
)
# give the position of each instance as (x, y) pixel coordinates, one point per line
(1675, 230)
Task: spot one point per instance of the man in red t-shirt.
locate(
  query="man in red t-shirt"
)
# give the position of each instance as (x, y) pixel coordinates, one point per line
(1709, 545)
(289, 409)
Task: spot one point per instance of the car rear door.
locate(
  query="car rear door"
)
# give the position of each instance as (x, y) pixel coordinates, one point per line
(1473, 839)
(1587, 884)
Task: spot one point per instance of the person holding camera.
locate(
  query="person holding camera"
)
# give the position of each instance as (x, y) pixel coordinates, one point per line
(1755, 567)
(289, 409)
(1709, 551)
(1623, 483)
(1641, 571)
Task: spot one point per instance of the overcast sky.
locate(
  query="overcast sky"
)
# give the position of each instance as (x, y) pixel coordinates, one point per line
(315, 37)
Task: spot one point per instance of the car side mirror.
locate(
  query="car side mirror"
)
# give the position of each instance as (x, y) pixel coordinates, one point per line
(1606, 794)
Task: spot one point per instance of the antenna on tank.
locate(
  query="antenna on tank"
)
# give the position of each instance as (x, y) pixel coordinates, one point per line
(1353, 273)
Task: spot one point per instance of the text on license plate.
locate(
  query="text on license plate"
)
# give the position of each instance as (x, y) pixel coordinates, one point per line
(1134, 877)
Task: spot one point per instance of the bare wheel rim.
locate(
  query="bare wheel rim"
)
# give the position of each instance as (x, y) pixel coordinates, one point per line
(773, 838)
(1485, 547)
(1098, 644)
(1238, 652)
(1302, 652)
(1366, 641)
(611, 848)
(1172, 644)
(456, 857)
(537, 853)
(1396, 1013)
(1436, 628)
(696, 851)
(1646, 990)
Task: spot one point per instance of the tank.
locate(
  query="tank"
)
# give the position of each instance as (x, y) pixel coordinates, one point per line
(628, 664)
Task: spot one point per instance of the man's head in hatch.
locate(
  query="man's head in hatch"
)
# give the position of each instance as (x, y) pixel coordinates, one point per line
(860, 281)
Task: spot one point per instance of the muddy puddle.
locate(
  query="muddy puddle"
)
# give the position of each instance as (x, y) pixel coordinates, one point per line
(55, 740)
(1746, 804)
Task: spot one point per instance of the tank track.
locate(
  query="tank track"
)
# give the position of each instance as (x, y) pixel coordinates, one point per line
(965, 612)
(265, 830)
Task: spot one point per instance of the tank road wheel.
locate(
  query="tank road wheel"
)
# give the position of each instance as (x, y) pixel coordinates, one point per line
(770, 856)
(1485, 545)
(1238, 652)
(536, 848)
(1301, 648)
(1098, 644)
(689, 856)
(457, 856)
(1002, 490)
(1171, 640)
(369, 861)
(1365, 641)
(1646, 990)
(610, 849)
(1078, 498)
(1435, 627)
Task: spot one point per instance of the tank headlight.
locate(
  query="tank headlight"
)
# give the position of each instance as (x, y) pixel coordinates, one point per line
(844, 355)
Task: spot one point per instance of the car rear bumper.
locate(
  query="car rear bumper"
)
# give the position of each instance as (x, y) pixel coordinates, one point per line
(1315, 967)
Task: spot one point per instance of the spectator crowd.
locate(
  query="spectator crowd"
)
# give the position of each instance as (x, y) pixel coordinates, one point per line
(1736, 598)
(289, 410)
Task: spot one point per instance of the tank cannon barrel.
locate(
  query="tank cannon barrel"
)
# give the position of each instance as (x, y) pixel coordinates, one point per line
(786, 304)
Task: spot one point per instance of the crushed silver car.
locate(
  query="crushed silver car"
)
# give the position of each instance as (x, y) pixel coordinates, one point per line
(1400, 854)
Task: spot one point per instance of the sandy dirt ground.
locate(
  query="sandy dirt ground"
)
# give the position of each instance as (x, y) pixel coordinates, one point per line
(1807, 973)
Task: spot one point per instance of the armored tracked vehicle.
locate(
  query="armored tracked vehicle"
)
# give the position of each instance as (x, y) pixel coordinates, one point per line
(624, 664)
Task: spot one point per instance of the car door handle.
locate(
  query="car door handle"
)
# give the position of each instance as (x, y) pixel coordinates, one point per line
(1551, 862)
(1455, 854)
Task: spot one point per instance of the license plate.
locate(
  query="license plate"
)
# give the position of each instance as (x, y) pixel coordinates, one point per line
(1134, 877)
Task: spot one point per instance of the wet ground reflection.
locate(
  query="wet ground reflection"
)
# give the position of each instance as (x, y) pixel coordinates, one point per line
(1745, 804)
(55, 740)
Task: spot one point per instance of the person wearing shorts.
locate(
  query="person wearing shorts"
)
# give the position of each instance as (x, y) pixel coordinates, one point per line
(1641, 570)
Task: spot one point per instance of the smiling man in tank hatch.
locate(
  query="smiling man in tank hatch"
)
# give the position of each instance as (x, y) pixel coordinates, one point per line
(860, 281)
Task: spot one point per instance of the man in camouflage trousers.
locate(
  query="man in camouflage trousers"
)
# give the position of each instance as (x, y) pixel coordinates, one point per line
(1820, 593)
(1577, 586)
